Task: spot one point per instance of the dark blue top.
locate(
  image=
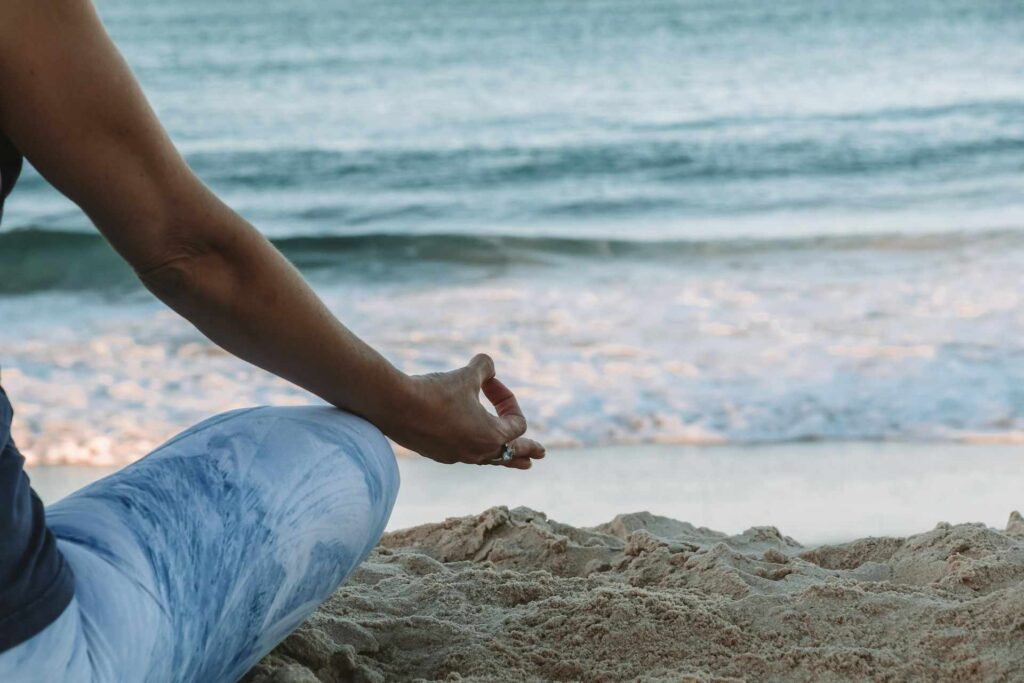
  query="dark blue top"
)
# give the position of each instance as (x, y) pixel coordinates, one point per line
(10, 168)
(36, 584)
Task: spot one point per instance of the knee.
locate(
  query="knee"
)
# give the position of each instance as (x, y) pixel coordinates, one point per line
(340, 466)
(330, 444)
(288, 453)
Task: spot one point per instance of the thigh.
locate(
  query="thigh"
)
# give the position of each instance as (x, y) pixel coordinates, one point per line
(58, 653)
(209, 551)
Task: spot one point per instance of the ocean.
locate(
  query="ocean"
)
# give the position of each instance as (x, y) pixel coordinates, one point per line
(686, 222)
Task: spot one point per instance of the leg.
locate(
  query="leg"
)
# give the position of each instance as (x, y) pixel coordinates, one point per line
(194, 562)
(58, 653)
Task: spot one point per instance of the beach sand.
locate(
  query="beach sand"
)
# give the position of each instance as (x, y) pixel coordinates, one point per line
(514, 596)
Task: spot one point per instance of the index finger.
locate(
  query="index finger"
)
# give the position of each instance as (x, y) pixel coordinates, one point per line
(505, 403)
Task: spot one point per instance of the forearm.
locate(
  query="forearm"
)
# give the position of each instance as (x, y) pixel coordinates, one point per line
(70, 104)
(237, 289)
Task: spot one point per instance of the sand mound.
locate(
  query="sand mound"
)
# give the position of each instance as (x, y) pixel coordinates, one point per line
(514, 596)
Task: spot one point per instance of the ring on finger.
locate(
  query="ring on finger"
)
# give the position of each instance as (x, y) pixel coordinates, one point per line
(508, 452)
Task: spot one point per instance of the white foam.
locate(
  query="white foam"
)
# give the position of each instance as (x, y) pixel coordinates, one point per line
(827, 345)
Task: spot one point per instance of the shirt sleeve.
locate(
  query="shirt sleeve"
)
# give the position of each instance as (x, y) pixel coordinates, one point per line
(36, 584)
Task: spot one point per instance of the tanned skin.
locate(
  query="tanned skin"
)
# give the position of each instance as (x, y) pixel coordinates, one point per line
(71, 105)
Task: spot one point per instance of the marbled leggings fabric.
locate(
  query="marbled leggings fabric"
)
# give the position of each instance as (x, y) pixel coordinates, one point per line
(194, 562)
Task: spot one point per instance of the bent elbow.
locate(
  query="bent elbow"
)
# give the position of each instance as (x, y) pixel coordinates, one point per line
(212, 267)
(171, 280)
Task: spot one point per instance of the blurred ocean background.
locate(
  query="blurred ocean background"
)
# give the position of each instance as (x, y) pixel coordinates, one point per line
(670, 222)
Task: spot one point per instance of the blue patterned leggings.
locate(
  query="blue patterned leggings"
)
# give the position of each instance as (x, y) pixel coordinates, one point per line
(192, 563)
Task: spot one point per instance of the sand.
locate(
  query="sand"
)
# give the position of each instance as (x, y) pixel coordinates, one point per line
(513, 596)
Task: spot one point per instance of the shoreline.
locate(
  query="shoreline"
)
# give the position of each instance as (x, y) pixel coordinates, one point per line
(818, 492)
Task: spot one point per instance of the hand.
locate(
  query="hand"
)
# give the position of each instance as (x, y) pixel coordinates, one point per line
(443, 419)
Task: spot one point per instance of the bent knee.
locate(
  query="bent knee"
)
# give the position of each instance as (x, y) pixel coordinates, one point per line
(331, 428)
(339, 459)
(292, 449)
(330, 442)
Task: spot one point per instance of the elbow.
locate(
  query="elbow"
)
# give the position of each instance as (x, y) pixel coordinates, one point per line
(199, 273)
(172, 280)
(200, 266)
(168, 257)
(172, 264)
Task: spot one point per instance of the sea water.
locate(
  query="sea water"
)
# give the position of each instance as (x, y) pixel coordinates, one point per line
(669, 222)
(815, 492)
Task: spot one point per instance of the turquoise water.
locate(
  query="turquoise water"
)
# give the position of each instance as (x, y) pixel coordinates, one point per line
(669, 221)
(675, 120)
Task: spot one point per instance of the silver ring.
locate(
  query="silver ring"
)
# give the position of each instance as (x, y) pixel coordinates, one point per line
(508, 451)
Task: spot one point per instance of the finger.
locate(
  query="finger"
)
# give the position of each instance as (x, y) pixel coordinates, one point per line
(481, 368)
(506, 405)
(526, 451)
(528, 448)
(519, 464)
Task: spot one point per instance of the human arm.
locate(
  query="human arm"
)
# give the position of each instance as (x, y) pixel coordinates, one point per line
(70, 103)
